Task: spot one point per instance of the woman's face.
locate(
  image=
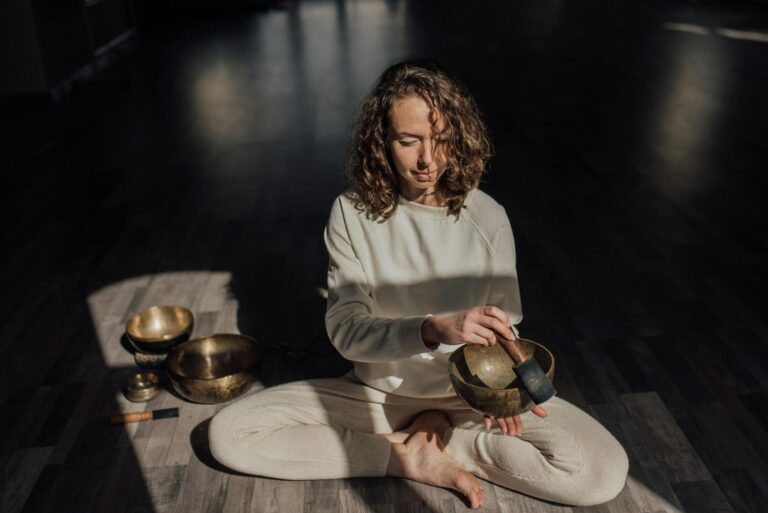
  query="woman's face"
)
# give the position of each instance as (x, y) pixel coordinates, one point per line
(417, 146)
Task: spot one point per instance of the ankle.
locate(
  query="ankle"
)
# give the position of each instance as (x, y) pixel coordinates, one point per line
(395, 464)
(398, 437)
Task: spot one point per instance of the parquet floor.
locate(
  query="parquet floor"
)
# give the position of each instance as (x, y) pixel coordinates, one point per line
(200, 167)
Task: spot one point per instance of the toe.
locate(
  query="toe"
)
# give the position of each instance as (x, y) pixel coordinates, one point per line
(476, 498)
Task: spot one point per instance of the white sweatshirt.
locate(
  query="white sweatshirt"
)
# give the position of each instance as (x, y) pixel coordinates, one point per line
(386, 277)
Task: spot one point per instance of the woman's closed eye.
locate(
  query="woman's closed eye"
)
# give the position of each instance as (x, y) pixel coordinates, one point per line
(412, 142)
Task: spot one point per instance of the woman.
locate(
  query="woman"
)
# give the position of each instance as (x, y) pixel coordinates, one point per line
(421, 261)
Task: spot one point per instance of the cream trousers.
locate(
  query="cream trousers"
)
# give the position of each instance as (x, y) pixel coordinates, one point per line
(326, 429)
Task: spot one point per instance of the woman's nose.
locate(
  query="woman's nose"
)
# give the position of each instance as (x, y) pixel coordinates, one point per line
(426, 155)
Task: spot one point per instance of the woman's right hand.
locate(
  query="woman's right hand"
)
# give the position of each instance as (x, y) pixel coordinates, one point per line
(481, 325)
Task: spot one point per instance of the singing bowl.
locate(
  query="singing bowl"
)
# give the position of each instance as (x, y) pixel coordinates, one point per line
(158, 329)
(142, 387)
(213, 369)
(484, 378)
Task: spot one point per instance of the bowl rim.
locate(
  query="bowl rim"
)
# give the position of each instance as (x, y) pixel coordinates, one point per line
(179, 347)
(149, 375)
(165, 338)
(504, 390)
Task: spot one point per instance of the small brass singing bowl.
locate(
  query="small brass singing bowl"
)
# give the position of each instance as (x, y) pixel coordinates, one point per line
(142, 387)
(213, 369)
(158, 329)
(483, 377)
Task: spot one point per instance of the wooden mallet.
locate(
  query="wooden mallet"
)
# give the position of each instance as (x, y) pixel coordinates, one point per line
(529, 371)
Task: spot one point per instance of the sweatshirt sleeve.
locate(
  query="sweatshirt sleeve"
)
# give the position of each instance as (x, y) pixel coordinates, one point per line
(505, 291)
(353, 329)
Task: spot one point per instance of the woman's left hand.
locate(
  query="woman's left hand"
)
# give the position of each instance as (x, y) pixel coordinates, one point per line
(514, 425)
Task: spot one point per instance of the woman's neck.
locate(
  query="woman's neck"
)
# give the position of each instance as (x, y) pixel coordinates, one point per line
(427, 197)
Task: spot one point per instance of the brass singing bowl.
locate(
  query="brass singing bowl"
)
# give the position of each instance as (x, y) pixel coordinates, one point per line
(158, 329)
(142, 386)
(483, 377)
(213, 369)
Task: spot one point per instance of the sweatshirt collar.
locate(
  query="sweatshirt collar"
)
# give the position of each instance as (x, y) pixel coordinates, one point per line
(414, 209)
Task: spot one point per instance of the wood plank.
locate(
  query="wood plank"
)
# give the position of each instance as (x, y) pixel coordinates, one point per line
(78, 416)
(275, 496)
(214, 292)
(19, 475)
(652, 492)
(64, 404)
(426, 498)
(14, 407)
(620, 353)
(191, 417)
(517, 502)
(53, 488)
(757, 404)
(322, 495)
(96, 437)
(351, 502)
(702, 496)
(239, 498)
(670, 357)
(226, 321)
(67, 487)
(748, 348)
(582, 373)
(157, 490)
(63, 368)
(669, 446)
(364, 491)
(205, 324)
(118, 480)
(745, 489)
(202, 489)
(704, 425)
(110, 303)
(655, 364)
(622, 503)
(601, 371)
(159, 433)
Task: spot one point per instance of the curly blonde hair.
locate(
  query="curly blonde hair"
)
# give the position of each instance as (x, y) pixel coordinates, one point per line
(375, 188)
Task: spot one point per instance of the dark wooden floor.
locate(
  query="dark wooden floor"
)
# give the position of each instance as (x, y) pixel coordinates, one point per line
(200, 168)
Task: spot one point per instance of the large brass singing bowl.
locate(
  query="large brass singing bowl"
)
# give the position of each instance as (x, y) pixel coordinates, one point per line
(213, 369)
(158, 329)
(484, 379)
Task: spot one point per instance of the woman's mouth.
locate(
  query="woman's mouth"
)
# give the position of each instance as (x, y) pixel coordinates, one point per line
(424, 176)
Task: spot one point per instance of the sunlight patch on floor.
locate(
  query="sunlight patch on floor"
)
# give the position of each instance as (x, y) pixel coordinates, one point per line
(756, 35)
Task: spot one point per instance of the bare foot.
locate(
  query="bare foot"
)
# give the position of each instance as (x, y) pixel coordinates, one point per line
(422, 458)
(431, 421)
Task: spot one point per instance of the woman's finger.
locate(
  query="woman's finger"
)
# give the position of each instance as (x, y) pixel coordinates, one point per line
(473, 338)
(498, 313)
(498, 327)
(488, 422)
(487, 334)
(518, 423)
(540, 411)
(502, 424)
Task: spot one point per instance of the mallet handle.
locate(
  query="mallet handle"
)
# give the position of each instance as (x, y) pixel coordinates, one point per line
(514, 349)
(123, 418)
